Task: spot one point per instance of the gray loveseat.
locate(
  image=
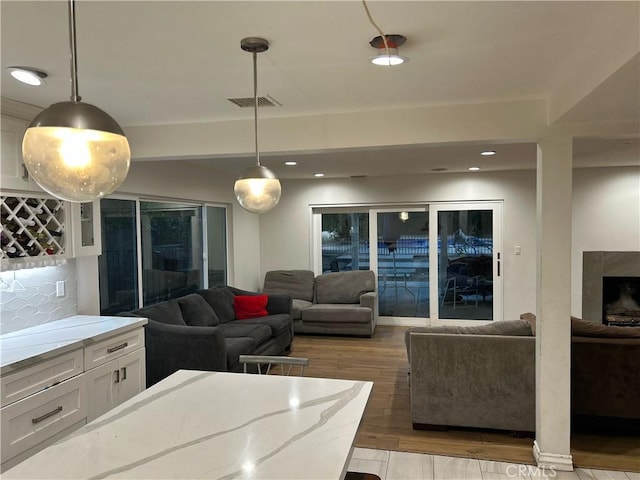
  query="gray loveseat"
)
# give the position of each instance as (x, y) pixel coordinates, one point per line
(484, 376)
(344, 303)
(200, 332)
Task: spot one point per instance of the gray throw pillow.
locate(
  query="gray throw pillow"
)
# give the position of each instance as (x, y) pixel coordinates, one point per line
(221, 300)
(197, 312)
(165, 312)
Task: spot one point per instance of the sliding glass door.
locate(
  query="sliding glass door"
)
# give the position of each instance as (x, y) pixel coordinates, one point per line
(401, 260)
(467, 281)
(439, 262)
(154, 251)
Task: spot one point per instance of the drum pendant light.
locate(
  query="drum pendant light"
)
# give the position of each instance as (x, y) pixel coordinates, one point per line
(74, 150)
(258, 189)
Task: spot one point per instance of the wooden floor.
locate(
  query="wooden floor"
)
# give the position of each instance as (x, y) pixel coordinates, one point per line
(387, 420)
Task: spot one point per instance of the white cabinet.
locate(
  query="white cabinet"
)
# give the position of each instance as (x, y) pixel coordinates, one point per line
(115, 371)
(85, 219)
(40, 376)
(13, 173)
(36, 418)
(93, 365)
(115, 382)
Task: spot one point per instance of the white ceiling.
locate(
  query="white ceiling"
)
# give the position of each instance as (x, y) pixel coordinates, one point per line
(172, 62)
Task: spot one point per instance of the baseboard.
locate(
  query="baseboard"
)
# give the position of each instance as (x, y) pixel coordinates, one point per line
(552, 461)
(402, 322)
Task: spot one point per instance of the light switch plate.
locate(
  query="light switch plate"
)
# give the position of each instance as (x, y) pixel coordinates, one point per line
(60, 288)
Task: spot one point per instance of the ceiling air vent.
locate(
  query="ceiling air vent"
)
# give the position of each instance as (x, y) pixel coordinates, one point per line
(248, 102)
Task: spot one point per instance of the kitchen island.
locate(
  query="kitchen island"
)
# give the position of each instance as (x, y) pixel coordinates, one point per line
(197, 424)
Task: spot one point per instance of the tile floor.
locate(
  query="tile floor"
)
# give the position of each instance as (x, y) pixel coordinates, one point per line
(414, 466)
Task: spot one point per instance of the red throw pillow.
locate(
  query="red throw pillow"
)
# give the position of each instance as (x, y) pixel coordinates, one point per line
(250, 306)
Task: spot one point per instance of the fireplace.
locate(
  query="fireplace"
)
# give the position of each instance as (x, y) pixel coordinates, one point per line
(611, 287)
(621, 301)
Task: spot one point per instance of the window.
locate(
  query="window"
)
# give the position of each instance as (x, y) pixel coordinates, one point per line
(153, 251)
(345, 241)
(171, 238)
(118, 262)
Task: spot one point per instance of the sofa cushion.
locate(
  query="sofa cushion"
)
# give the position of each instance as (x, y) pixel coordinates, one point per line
(338, 313)
(587, 328)
(279, 323)
(236, 329)
(166, 312)
(344, 287)
(297, 306)
(221, 300)
(236, 347)
(197, 312)
(510, 328)
(250, 306)
(519, 328)
(297, 283)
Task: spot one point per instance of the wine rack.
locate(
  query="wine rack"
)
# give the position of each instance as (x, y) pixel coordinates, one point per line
(32, 227)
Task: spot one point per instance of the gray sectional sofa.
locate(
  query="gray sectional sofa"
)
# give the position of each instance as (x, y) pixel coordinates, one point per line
(484, 376)
(343, 303)
(199, 331)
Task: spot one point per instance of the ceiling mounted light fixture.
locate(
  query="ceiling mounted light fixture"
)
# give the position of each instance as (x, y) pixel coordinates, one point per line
(258, 190)
(74, 150)
(28, 75)
(387, 46)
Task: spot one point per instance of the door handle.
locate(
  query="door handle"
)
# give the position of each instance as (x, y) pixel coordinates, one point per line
(124, 373)
(117, 375)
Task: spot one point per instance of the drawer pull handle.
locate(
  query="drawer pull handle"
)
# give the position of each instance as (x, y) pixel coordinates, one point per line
(124, 373)
(46, 415)
(119, 347)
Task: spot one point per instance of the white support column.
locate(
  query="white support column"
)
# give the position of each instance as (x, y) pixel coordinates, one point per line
(551, 448)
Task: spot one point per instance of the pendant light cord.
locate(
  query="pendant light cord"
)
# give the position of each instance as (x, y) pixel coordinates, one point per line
(255, 104)
(72, 44)
(384, 37)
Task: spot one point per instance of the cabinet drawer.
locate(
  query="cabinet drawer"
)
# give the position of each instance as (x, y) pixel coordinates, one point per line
(18, 385)
(114, 347)
(32, 420)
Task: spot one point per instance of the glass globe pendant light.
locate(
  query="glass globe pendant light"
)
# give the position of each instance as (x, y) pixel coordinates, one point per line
(74, 150)
(258, 189)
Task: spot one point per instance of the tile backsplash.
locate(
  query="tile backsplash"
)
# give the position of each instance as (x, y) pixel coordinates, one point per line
(28, 296)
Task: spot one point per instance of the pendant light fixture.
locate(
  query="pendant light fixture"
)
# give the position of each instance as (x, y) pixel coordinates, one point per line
(258, 189)
(74, 150)
(387, 47)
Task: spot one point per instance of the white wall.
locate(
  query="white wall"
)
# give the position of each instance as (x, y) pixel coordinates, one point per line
(606, 217)
(285, 231)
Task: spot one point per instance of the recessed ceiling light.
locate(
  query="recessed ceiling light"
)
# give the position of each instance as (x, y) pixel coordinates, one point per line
(487, 153)
(291, 163)
(474, 169)
(318, 174)
(27, 75)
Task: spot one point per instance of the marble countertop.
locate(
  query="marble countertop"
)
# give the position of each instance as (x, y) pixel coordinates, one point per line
(31, 345)
(215, 425)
